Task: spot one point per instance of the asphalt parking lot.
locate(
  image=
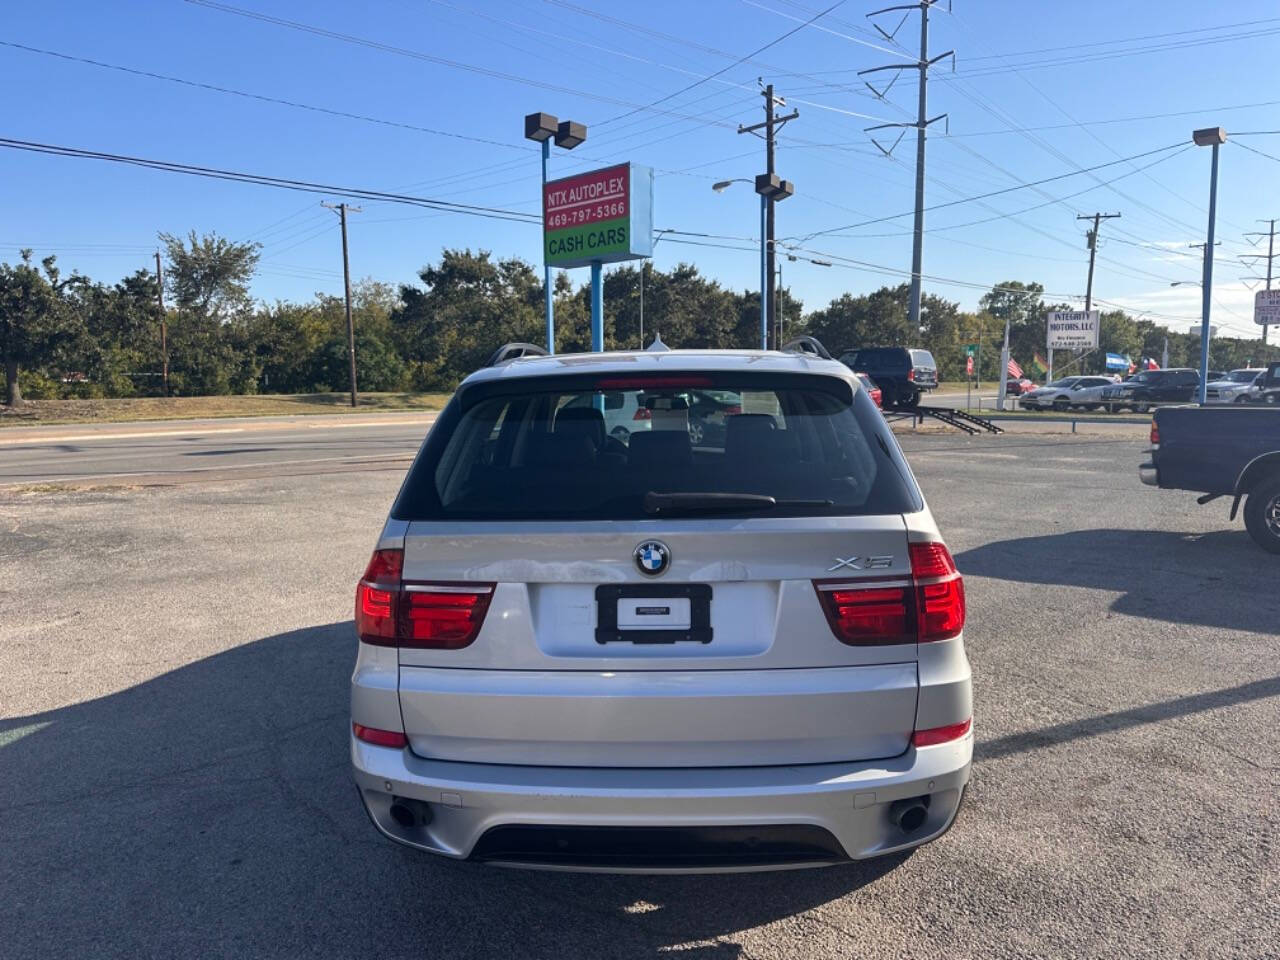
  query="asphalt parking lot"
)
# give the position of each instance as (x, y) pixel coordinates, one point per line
(173, 743)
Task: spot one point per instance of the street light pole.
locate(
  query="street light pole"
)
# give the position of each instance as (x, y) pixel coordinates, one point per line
(1214, 137)
(721, 187)
(549, 305)
(542, 128)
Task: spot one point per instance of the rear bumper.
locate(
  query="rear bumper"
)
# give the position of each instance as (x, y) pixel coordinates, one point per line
(850, 801)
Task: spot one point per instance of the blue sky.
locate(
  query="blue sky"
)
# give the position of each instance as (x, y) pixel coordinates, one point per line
(1035, 88)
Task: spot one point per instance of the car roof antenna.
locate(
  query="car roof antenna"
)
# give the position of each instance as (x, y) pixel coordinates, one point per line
(657, 346)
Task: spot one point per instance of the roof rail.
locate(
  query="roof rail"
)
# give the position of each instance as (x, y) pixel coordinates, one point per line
(513, 351)
(810, 345)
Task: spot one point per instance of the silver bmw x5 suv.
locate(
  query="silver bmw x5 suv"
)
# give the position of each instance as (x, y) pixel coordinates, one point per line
(582, 652)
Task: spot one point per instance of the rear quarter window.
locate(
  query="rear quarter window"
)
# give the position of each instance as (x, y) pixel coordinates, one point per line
(548, 450)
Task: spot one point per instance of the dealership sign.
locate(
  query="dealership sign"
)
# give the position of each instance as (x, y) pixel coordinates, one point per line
(1266, 307)
(1073, 330)
(599, 217)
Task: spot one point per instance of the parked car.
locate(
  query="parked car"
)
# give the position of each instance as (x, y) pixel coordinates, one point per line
(709, 411)
(1142, 391)
(669, 658)
(1078, 391)
(1266, 389)
(901, 374)
(874, 392)
(1087, 393)
(1222, 452)
(1018, 387)
(1235, 387)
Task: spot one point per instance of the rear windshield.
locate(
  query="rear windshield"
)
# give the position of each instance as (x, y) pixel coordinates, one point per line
(638, 449)
(923, 358)
(877, 358)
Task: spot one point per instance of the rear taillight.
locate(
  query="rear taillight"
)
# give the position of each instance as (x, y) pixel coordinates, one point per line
(1155, 433)
(442, 616)
(936, 735)
(376, 597)
(869, 615)
(911, 375)
(393, 612)
(939, 591)
(925, 607)
(379, 738)
(643, 413)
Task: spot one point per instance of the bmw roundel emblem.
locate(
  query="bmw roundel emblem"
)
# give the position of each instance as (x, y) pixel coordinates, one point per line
(652, 557)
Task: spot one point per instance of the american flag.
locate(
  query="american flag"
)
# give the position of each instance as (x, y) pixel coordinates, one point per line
(1015, 371)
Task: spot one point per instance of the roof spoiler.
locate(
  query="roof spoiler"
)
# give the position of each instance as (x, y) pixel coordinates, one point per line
(513, 351)
(810, 345)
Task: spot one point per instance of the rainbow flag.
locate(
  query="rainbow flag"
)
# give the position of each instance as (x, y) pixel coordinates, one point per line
(1038, 364)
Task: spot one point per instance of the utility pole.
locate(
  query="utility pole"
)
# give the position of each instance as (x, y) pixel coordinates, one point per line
(1092, 243)
(343, 209)
(1270, 257)
(164, 326)
(921, 125)
(771, 190)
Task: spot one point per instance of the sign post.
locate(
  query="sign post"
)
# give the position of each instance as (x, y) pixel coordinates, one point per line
(970, 350)
(590, 219)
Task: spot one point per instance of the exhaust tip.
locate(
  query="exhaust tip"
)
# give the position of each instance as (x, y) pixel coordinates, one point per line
(409, 813)
(909, 814)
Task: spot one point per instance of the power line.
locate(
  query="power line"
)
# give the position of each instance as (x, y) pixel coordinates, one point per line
(1000, 192)
(264, 98)
(1149, 36)
(1261, 153)
(284, 183)
(427, 57)
(725, 69)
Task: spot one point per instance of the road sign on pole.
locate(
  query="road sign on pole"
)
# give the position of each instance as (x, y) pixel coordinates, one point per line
(1266, 307)
(970, 350)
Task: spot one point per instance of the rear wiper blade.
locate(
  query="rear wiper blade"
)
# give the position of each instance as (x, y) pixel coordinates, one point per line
(664, 503)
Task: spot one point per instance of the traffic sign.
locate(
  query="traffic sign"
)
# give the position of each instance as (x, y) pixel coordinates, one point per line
(970, 349)
(1266, 307)
(968, 364)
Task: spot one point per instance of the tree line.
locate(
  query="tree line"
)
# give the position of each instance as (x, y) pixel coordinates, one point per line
(70, 336)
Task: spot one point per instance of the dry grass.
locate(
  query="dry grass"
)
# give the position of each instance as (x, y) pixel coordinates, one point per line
(40, 412)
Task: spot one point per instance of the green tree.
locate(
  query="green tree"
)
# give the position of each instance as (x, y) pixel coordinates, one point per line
(36, 325)
(209, 276)
(468, 305)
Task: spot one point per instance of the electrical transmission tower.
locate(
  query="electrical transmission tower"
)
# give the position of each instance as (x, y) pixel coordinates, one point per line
(1269, 256)
(922, 122)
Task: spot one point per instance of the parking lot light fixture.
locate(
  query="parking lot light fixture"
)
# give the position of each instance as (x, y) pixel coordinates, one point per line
(543, 128)
(570, 134)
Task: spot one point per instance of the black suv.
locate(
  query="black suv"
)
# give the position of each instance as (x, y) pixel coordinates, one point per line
(901, 374)
(1143, 390)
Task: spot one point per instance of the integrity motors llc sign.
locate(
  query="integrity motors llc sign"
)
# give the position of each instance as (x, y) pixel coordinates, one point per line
(1073, 330)
(599, 217)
